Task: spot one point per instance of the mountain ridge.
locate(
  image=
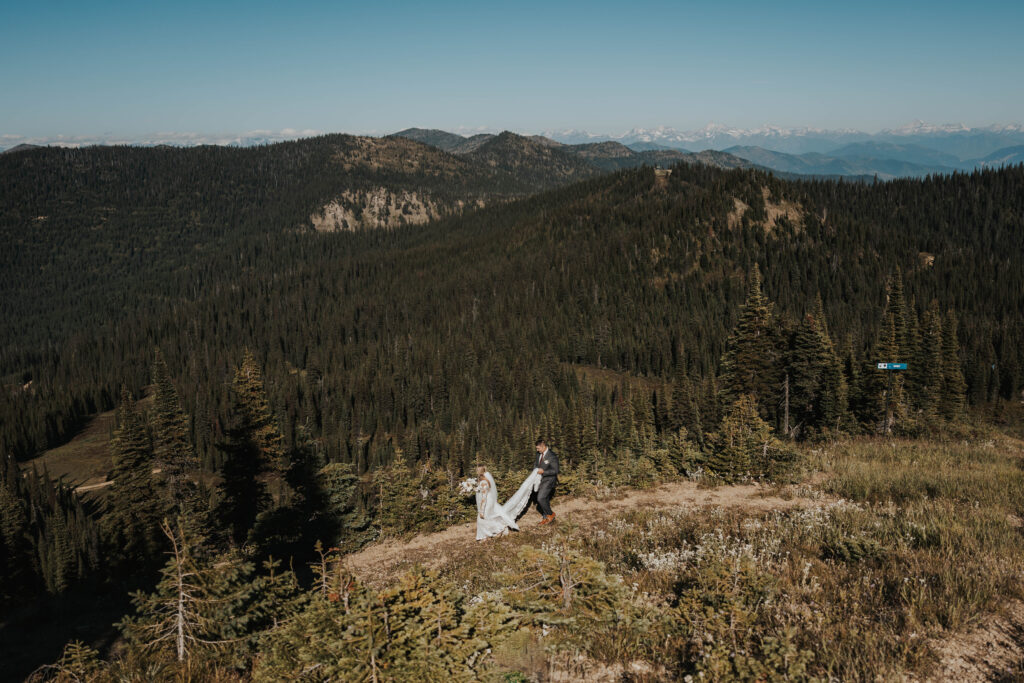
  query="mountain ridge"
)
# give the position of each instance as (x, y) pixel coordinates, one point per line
(1006, 156)
(816, 164)
(901, 154)
(960, 140)
(604, 156)
(795, 139)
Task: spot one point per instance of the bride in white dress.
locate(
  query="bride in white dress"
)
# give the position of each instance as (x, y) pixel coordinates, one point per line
(493, 519)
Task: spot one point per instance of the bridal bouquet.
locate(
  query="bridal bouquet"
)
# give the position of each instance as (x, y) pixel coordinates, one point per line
(468, 487)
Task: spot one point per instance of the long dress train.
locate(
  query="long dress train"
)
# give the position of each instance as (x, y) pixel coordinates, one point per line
(497, 518)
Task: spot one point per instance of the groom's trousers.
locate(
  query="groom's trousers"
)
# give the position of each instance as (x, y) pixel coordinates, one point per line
(544, 493)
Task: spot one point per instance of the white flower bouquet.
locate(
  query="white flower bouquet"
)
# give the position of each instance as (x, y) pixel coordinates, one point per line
(469, 486)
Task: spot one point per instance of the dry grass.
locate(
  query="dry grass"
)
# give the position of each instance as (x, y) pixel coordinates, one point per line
(985, 473)
(85, 460)
(893, 559)
(455, 546)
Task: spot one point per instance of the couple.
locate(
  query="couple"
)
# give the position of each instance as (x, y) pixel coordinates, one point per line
(494, 519)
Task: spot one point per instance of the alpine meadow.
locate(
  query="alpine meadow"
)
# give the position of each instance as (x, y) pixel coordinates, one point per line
(519, 400)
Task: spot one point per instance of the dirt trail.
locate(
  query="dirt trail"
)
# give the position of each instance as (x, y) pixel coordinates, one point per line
(992, 651)
(93, 487)
(431, 550)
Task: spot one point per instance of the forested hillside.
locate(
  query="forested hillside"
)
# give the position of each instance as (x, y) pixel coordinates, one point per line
(372, 337)
(99, 236)
(331, 386)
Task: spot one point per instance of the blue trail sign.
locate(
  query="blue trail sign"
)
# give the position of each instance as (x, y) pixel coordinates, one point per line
(892, 366)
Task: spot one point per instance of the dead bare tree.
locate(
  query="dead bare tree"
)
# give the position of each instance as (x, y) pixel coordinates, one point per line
(178, 611)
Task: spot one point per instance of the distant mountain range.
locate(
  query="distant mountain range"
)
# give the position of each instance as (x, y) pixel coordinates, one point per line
(343, 182)
(538, 154)
(252, 138)
(862, 160)
(917, 149)
(1006, 156)
(957, 140)
(914, 150)
(877, 159)
(850, 164)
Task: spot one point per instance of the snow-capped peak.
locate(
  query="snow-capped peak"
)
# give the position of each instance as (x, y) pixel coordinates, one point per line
(919, 127)
(1005, 128)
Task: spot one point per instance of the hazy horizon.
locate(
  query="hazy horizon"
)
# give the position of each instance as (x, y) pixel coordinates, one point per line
(187, 138)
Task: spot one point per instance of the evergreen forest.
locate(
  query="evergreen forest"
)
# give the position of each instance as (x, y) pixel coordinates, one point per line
(285, 397)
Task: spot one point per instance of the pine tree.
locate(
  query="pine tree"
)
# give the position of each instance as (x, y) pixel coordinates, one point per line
(819, 315)
(419, 629)
(47, 539)
(684, 412)
(172, 445)
(990, 367)
(241, 494)
(609, 432)
(885, 399)
(750, 365)
(252, 408)
(683, 454)
(834, 404)
(896, 305)
(440, 502)
(79, 663)
(740, 445)
(806, 361)
(253, 447)
(292, 526)
(954, 389)
(834, 401)
(205, 606)
(711, 401)
(559, 584)
(134, 507)
(835, 393)
(15, 541)
(624, 420)
(643, 410)
(915, 373)
(852, 370)
(399, 501)
(931, 371)
(661, 407)
(585, 418)
(243, 604)
(349, 523)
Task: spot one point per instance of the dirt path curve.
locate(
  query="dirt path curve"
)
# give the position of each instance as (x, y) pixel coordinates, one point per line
(991, 651)
(93, 487)
(431, 550)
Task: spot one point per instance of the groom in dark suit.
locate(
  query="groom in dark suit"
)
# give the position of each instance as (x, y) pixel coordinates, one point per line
(547, 467)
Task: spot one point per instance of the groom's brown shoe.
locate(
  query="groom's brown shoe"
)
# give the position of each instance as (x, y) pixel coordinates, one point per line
(550, 519)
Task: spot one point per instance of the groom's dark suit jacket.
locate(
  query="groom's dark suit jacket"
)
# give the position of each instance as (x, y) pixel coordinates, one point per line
(548, 462)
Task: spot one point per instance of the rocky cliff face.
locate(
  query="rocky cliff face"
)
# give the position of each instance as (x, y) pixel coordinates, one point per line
(377, 208)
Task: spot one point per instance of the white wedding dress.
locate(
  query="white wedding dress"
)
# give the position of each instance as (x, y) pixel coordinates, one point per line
(496, 518)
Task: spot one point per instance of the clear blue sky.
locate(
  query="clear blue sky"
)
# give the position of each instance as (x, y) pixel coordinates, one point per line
(130, 68)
